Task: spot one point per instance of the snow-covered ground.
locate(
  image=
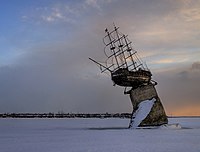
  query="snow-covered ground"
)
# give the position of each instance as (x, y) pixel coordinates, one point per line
(96, 135)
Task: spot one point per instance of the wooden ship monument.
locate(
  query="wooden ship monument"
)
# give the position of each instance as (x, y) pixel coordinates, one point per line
(127, 70)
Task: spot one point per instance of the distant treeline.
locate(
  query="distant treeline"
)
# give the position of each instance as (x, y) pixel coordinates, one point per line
(64, 115)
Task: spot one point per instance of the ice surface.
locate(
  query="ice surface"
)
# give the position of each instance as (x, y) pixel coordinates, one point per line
(96, 135)
(142, 112)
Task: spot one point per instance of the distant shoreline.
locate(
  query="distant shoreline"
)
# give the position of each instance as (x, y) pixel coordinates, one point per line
(76, 115)
(65, 115)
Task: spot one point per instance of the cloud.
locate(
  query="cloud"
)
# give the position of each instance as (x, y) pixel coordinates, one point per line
(66, 12)
(55, 14)
(179, 88)
(59, 76)
(93, 3)
(53, 73)
(196, 66)
(164, 61)
(97, 4)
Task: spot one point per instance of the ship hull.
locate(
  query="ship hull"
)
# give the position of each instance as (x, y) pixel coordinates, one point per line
(126, 78)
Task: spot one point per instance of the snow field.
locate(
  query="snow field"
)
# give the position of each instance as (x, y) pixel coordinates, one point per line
(96, 135)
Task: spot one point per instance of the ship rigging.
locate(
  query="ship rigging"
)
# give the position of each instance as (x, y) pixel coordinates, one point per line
(122, 61)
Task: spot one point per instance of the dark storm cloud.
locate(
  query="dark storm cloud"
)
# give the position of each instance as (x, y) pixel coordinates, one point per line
(179, 88)
(59, 77)
(196, 66)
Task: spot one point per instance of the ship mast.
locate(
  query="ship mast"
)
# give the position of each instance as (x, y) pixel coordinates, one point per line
(120, 45)
(129, 50)
(112, 47)
(119, 53)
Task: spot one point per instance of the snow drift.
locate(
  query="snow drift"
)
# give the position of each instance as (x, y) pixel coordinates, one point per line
(142, 112)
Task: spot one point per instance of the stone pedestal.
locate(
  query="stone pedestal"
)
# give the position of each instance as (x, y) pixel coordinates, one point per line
(157, 115)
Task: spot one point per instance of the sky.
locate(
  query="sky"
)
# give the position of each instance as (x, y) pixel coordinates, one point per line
(45, 45)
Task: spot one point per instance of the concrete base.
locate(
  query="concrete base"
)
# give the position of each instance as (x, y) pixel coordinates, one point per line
(157, 115)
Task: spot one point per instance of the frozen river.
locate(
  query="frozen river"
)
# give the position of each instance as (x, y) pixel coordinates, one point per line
(96, 135)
